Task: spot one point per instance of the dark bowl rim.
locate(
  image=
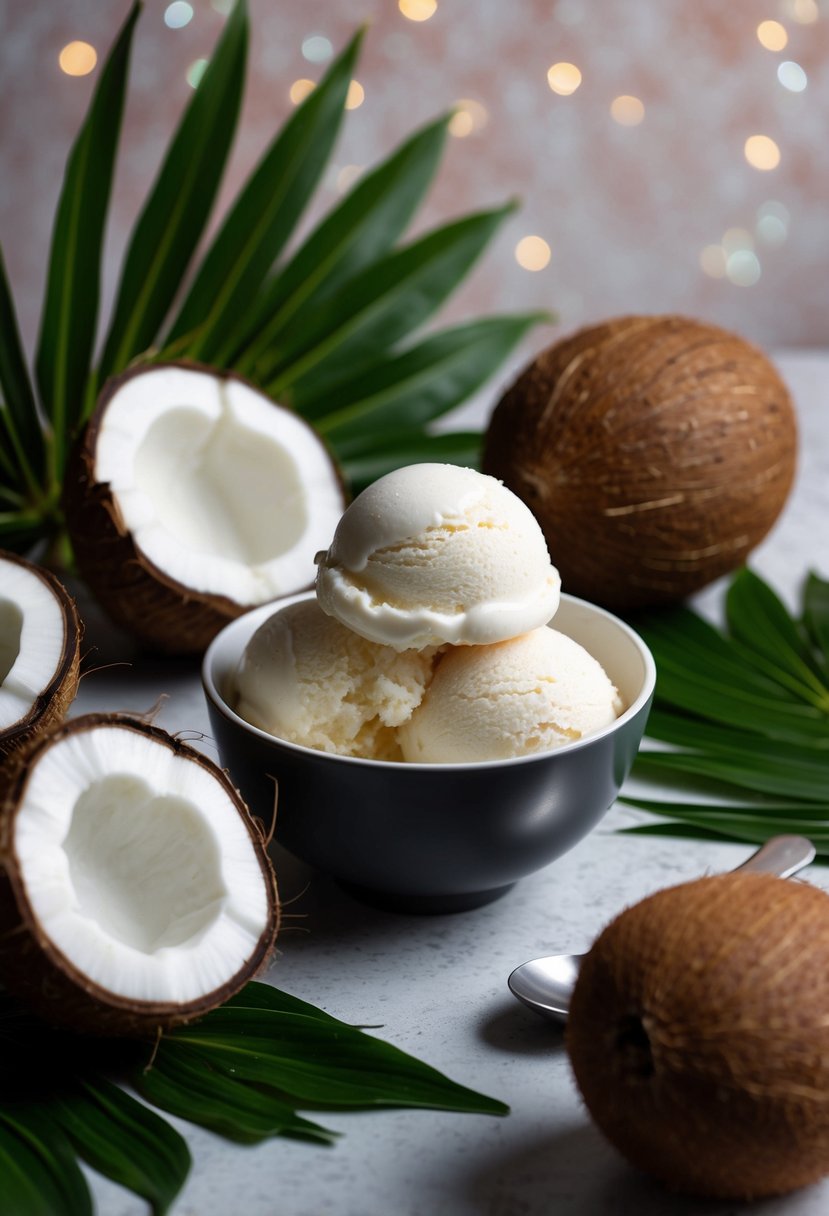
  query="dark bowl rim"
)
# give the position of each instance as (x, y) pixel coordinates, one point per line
(215, 698)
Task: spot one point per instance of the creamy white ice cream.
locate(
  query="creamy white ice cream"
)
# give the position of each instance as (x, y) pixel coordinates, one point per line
(434, 553)
(529, 694)
(304, 677)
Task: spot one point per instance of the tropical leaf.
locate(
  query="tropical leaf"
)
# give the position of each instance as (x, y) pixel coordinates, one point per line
(39, 1175)
(70, 310)
(19, 530)
(22, 452)
(173, 219)
(187, 1085)
(378, 307)
(357, 232)
(743, 720)
(263, 217)
(409, 390)
(317, 1062)
(123, 1140)
(255, 995)
(396, 451)
(759, 619)
(816, 613)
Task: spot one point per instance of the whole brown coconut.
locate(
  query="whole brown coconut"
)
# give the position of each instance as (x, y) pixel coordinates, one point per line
(699, 1035)
(656, 452)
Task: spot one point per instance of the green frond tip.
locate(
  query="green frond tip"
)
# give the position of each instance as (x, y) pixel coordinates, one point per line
(743, 716)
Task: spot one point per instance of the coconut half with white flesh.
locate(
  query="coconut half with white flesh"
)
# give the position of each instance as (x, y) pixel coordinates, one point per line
(194, 497)
(40, 641)
(136, 893)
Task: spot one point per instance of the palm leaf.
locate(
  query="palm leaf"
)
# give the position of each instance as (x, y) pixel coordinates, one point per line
(759, 619)
(357, 232)
(22, 452)
(394, 452)
(19, 530)
(263, 217)
(39, 1175)
(70, 310)
(746, 751)
(173, 219)
(378, 307)
(123, 1140)
(413, 388)
(316, 1062)
(187, 1085)
(816, 613)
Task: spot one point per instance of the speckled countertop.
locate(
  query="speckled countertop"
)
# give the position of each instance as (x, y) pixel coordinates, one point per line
(438, 985)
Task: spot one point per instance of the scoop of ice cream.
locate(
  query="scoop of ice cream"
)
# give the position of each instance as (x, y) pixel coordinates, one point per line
(306, 678)
(434, 553)
(530, 694)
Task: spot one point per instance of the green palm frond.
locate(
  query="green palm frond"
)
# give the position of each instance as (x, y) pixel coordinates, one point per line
(741, 717)
(301, 324)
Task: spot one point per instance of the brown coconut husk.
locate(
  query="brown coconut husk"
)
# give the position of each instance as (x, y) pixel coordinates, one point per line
(699, 1037)
(656, 452)
(46, 981)
(162, 613)
(51, 705)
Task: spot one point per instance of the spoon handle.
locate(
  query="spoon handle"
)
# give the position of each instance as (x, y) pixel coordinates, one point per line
(782, 855)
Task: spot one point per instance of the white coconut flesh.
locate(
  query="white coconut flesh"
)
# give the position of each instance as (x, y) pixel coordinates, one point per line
(137, 866)
(32, 638)
(222, 489)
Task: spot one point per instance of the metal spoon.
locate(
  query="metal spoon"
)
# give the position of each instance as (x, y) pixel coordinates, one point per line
(545, 985)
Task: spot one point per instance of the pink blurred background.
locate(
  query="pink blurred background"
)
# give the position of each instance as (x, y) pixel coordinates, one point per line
(667, 214)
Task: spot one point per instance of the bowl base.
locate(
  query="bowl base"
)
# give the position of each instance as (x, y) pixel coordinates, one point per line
(425, 905)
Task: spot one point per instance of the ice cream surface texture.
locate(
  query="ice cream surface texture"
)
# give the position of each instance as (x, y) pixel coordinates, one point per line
(526, 695)
(435, 553)
(304, 677)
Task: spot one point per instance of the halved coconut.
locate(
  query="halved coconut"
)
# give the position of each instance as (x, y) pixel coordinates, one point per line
(40, 642)
(194, 497)
(136, 892)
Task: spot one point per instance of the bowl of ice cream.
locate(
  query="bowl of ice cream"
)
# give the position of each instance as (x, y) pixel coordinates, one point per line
(429, 750)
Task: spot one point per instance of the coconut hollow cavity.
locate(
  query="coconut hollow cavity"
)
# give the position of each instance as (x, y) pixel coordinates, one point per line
(137, 893)
(40, 639)
(194, 497)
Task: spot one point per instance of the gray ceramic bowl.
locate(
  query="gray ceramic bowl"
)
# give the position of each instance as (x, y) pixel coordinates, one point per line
(434, 837)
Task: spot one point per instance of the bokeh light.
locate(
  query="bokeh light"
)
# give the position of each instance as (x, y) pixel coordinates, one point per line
(300, 89)
(178, 14)
(532, 253)
(355, 96)
(563, 78)
(417, 10)
(712, 260)
(469, 116)
(627, 111)
(773, 220)
(762, 152)
(734, 239)
(772, 35)
(802, 11)
(77, 58)
(743, 268)
(792, 76)
(346, 177)
(195, 72)
(316, 48)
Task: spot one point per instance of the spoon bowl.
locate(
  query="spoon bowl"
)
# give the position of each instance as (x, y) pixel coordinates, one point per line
(546, 985)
